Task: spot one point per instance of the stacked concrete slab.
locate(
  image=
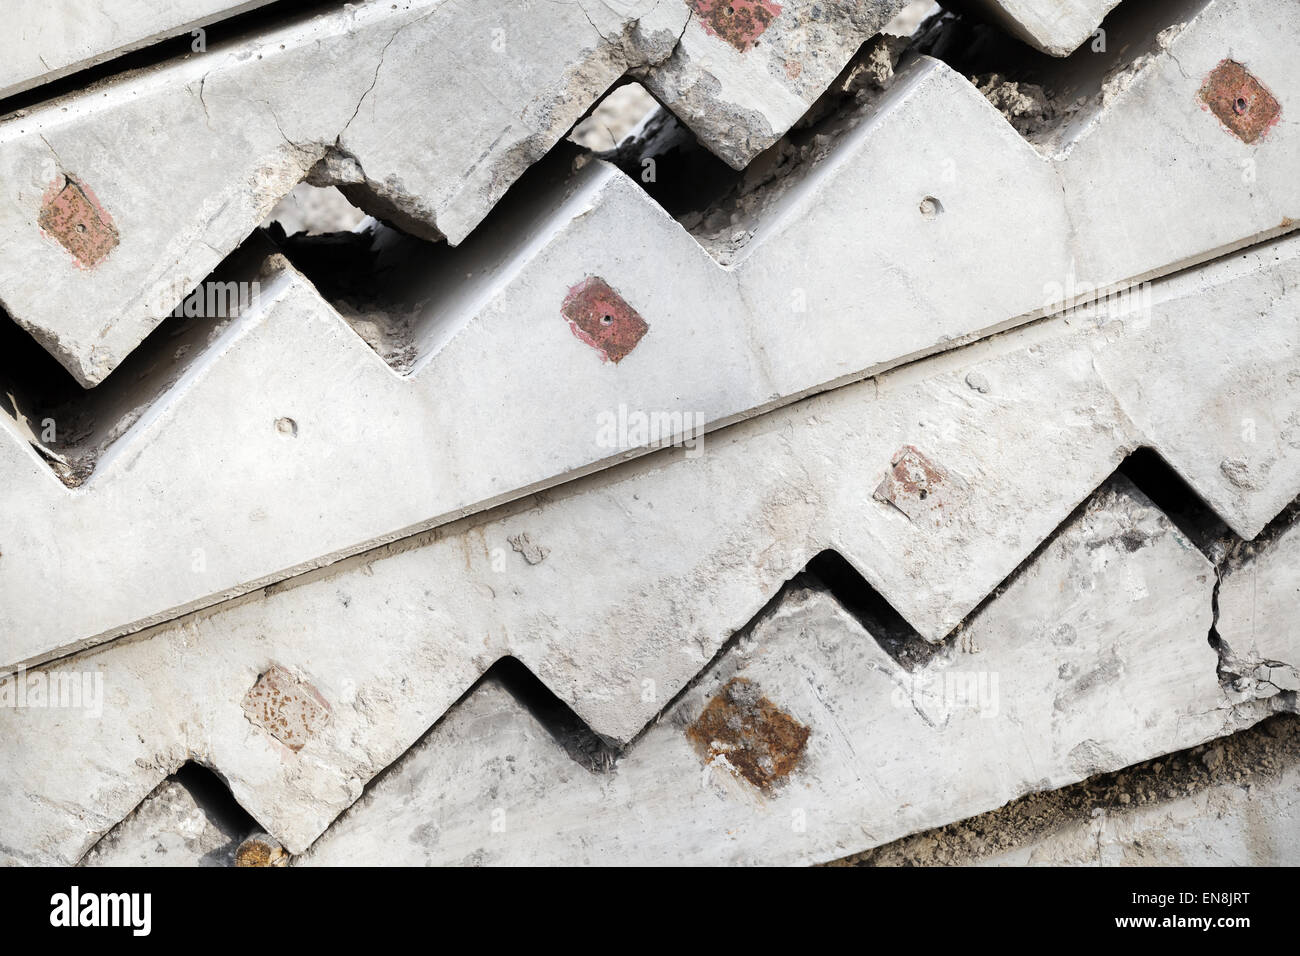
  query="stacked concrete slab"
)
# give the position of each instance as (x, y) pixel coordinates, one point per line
(679, 572)
(1058, 27)
(51, 40)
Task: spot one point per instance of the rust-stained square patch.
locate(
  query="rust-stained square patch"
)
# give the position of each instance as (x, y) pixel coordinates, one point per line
(1240, 101)
(602, 318)
(920, 488)
(757, 739)
(289, 709)
(738, 22)
(71, 215)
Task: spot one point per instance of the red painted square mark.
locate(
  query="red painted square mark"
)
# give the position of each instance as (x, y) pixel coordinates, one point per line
(738, 22)
(1240, 101)
(72, 215)
(602, 318)
(289, 709)
(920, 488)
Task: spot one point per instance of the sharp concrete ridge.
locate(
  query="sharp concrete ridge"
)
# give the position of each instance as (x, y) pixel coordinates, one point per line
(48, 40)
(743, 74)
(1058, 27)
(322, 97)
(685, 550)
(1091, 660)
(787, 320)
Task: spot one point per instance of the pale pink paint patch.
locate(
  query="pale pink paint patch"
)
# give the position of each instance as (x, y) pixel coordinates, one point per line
(73, 216)
(738, 22)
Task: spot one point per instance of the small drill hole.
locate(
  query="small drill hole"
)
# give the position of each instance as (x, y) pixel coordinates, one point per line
(930, 207)
(606, 320)
(1241, 105)
(924, 494)
(81, 227)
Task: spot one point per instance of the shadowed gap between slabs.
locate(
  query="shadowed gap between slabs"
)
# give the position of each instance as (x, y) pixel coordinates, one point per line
(72, 427)
(194, 795)
(236, 29)
(1048, 100)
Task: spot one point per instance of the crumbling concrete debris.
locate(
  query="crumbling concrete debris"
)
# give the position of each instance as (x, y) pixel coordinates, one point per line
(1025, 105)
(1122, 77)
(366, 274)
(722, 208)
(750, 75)
(874, 66)
(1068, 95)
